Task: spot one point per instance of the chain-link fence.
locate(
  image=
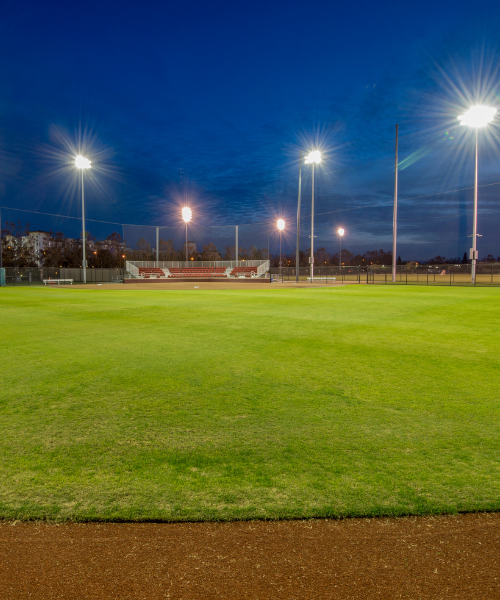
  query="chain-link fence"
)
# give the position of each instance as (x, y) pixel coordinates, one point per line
(487, 274)
(26, 276)
(322, 274)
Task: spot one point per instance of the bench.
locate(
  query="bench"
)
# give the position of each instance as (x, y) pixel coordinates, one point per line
(58, 281)
(320, 278)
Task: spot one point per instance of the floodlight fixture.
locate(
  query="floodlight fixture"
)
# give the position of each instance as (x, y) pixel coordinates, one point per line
(478, 116)
(313, 157)
(81, 162)
(186, 214)
(341, 232)
(281, 226)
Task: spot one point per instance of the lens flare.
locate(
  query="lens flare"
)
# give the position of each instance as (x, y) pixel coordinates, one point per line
(477, 116)
(186, 214)
(341, 231)
(281, 224)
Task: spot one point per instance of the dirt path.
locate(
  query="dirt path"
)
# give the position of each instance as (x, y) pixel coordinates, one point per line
(431, 558)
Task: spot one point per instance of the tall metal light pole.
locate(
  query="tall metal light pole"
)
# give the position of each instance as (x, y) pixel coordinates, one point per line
(83, 163)
(236, 247)
(341, 232)
(297, 253)
(476, 117)
(395, 211)
(281, 226)
(313, 158)
(186, 215)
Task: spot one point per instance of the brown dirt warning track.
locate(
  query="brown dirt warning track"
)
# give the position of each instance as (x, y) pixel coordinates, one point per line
(431, 558)
(203, 285)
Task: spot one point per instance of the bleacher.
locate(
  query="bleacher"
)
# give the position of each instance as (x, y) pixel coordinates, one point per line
(207, 272)
(151, 273)
(165, 271)
(244, 271)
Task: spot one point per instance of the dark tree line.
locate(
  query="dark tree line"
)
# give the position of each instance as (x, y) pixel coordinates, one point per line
(323, 258)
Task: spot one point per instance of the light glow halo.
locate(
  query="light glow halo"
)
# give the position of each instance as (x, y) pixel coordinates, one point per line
(341, 231)
(313, 157)
(478, 116)
(186, 214)
(81, 162)
(281, 224)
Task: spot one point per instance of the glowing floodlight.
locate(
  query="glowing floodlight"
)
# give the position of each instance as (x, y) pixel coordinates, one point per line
(313, 157)
(186, 214)
(81, 162)
(341, 231)
(281, 224)
(477, 116)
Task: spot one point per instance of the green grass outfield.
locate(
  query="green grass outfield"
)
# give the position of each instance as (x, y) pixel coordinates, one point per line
(188, 405)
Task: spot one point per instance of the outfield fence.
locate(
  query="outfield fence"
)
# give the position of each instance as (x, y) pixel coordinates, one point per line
(487, 274)
(352, 274)
(27, 276)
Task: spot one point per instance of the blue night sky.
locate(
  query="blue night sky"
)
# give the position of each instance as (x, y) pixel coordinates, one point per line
(209, 103)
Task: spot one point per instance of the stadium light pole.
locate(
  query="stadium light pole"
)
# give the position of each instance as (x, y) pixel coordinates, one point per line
(281, 226)
(297, 250)
(341, 232)
(476, 117)
(313, 158)
(83, 163)
(186, 215)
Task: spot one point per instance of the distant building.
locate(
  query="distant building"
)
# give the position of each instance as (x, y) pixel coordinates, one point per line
(39, 240)
(113, 246)
(191, 247)
(36, 240)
